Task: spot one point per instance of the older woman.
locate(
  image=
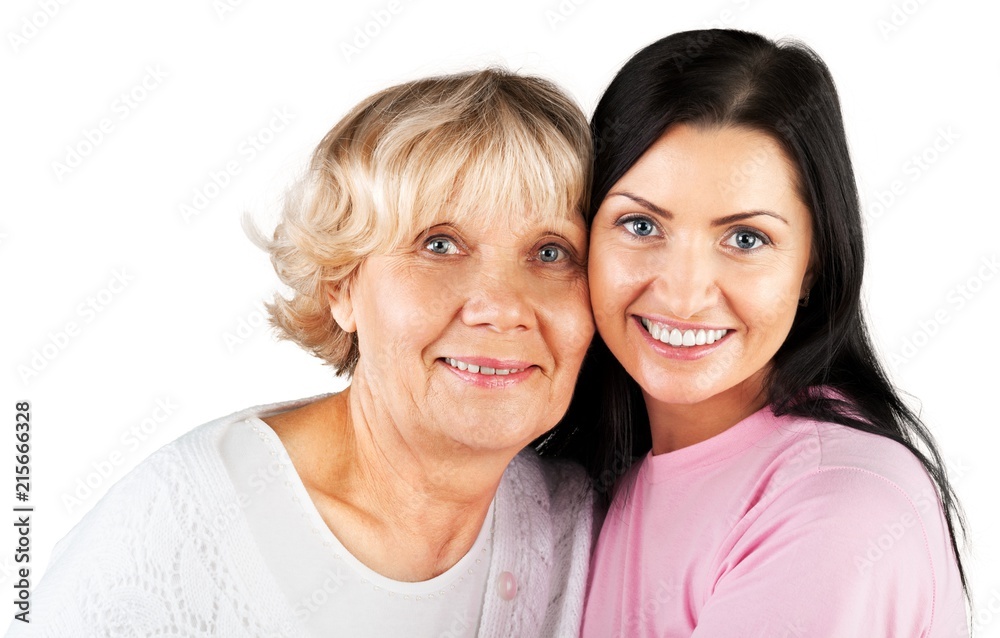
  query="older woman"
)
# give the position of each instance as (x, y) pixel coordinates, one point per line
(436, 253)
(780, 489)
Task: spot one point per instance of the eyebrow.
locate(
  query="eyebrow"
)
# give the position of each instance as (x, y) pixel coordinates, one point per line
(648, 205)
(729, 219)
(721, 221)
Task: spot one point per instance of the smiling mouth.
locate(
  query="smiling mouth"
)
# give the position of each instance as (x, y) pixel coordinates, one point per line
(483, 370)
(671, 336)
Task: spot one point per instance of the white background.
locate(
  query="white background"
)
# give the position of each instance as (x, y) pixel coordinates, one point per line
(916, 80)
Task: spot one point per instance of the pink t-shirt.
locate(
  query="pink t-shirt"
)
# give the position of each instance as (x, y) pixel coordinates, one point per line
(779, 527)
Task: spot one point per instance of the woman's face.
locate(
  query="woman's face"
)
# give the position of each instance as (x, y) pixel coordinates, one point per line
(475, 332)
(698, 257)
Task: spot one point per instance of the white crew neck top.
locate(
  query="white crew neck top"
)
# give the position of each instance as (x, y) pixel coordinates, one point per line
(331, 591)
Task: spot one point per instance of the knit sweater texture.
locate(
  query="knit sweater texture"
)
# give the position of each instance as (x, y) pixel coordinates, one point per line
(168, 552)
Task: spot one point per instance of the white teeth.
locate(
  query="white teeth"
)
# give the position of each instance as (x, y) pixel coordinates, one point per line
(461, 365)
(685, 339)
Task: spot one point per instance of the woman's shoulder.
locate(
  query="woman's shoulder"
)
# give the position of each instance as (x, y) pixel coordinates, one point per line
(185, 474)
(819, 447)
(170, 531)
(859, 484)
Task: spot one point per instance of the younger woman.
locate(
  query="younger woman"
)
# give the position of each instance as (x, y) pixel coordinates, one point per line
(781, 490)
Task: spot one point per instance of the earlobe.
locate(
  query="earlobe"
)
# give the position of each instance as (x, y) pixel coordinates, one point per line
(341, 307)
(808, 280)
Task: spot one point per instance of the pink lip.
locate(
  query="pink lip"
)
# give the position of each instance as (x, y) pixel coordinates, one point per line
(689, 353)
(492, 382)
(496, 364)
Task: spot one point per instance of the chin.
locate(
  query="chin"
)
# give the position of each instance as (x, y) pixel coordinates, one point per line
(682, 395)
(677, 389)
(497, 435)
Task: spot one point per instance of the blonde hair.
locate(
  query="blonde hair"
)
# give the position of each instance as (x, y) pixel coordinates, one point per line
(483, 143)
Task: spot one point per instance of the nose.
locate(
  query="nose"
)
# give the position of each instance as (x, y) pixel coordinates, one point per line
(687, 280)
(499, 298)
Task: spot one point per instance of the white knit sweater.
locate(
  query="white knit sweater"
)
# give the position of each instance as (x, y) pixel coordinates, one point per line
(168, 552)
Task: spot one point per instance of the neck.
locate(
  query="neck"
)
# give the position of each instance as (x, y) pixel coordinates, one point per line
(678, 425)
(400, 487)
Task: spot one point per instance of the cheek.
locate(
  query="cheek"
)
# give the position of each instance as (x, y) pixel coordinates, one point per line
(615, 279)
(398, 316)
(766, 304)
(572, 320)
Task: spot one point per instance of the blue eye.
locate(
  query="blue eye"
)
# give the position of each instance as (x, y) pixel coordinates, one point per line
(639, 226)
(441, 246)
(551, 254)
(747, 240)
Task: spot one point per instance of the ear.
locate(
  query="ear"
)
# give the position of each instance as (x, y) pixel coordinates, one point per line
(810, 276)
(341, 307)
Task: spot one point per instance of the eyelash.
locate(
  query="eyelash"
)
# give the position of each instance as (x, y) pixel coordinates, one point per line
(627, 219)
(635, 218)
(566, 255)
(764, 239)
(434, 238)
